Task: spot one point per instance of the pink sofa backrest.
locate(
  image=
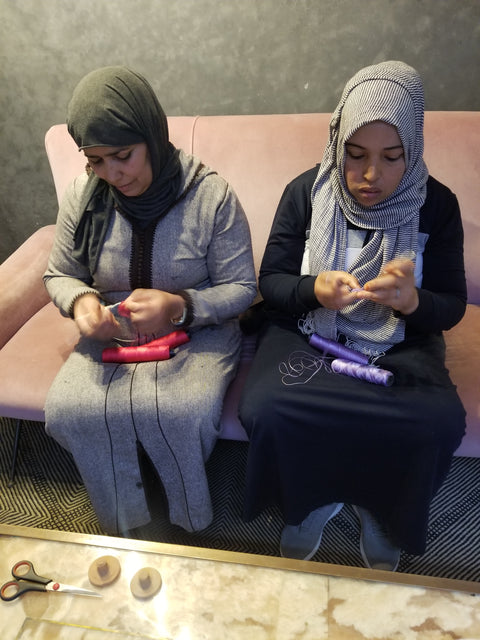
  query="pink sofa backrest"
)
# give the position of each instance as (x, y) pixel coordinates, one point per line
(260, 154)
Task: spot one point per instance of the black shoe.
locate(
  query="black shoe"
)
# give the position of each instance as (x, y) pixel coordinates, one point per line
(302, 541)
(376, 549)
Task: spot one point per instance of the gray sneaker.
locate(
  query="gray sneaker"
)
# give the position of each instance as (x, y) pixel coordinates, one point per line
(376, 549)
(302, 541)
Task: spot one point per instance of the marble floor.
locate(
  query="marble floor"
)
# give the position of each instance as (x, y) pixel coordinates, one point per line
(210, 595)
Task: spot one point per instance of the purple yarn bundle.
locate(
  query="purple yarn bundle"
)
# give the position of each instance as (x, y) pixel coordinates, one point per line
(336, 349)
(363, 371)
(350, 362)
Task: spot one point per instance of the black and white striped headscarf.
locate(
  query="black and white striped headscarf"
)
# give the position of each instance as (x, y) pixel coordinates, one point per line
(391, 92)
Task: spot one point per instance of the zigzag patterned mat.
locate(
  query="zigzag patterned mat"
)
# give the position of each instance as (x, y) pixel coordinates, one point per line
(48, 493)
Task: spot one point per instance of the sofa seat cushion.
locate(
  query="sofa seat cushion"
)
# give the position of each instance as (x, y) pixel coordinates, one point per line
(230, 426)
(30, 361)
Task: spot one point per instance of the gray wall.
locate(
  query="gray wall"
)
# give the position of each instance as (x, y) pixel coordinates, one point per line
(210, 57)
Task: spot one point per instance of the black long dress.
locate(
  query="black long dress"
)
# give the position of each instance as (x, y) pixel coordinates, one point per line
(318, 437)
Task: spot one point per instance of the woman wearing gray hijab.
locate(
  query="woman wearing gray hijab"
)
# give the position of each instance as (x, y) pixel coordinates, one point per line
(148, 241)
(365, 253)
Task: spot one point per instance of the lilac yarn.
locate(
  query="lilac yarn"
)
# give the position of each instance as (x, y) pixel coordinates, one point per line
(366, 372)
(336, 349)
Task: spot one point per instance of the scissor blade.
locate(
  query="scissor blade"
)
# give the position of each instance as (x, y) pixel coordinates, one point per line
(67, 588)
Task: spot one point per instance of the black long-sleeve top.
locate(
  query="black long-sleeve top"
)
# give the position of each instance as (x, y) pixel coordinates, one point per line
(442, 296)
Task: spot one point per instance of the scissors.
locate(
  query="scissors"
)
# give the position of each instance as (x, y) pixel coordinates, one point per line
(27, 580)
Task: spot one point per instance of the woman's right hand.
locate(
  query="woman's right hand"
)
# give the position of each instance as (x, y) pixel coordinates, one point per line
(93, 319)
(333, 289)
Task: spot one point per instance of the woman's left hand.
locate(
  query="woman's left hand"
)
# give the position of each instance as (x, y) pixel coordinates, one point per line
(394, 287)
(151, 310)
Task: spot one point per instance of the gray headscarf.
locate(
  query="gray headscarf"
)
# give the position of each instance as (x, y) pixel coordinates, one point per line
(114, 106)
(391, 92)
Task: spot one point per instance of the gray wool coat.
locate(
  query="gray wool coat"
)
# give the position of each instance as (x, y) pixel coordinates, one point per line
(101, 412)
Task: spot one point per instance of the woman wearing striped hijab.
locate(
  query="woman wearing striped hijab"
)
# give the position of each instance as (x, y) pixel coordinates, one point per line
(366, 251)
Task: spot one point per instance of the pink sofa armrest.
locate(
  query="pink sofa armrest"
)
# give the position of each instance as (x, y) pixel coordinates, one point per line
(463, 357)
(22, 292)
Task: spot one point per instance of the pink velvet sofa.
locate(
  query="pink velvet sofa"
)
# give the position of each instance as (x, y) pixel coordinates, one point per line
(258, 155)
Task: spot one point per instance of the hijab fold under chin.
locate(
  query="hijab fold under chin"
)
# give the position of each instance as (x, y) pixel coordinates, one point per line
(113, 107)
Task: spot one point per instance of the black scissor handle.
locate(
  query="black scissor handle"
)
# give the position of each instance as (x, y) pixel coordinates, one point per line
(13, 589)
(9, 591)
(23, 570)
